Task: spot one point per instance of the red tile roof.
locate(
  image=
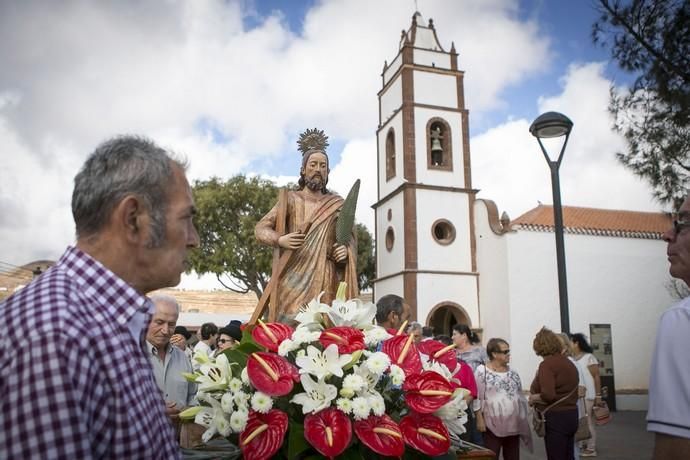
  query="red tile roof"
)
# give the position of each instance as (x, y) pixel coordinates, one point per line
(593, 221)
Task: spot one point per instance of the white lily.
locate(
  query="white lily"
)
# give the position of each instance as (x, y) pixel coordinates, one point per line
(214, 376)
(311, 313)
(322, 364)
(317, 394)
(353, 313)
(454, 414)
(213, 418)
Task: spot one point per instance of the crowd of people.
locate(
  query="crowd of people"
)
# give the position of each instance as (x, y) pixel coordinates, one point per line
(108, 381)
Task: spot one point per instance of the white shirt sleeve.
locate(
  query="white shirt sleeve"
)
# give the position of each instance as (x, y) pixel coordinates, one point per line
(669, 380)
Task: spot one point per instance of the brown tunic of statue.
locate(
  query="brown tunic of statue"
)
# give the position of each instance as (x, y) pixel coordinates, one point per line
(316, 263)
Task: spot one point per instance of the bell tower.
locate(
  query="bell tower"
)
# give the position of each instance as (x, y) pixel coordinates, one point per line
(426, 249)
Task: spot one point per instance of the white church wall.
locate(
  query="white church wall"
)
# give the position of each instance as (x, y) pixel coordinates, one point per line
(391, 100)
(393, 285)
(435, 288)
(433, 205)
(493, 277)
(392, 68)
(390, 261)
(455, 178)
(387, 186)
(431, 58)
(434, 89)
(616, 281)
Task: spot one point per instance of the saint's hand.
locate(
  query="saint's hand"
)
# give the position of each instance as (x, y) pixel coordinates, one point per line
(339, 253)
(292, 240)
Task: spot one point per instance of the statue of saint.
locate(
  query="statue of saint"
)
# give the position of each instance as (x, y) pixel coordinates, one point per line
(301, 228)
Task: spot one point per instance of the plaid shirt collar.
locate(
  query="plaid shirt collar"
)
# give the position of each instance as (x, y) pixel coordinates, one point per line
(120, 300)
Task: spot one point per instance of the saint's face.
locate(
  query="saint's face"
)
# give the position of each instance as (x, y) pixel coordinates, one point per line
(316, 168)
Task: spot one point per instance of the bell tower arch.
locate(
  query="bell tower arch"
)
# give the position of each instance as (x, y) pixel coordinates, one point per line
(426, 249)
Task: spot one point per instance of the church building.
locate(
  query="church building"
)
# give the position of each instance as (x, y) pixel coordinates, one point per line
(454, 260)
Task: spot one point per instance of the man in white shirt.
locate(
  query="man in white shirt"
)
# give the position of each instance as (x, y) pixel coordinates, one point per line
(169, 362)
(208, 334)
(669, 383)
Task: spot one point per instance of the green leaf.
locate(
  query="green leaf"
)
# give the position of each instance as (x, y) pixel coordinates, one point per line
(346, 219)
(236, 356)
(296, 442)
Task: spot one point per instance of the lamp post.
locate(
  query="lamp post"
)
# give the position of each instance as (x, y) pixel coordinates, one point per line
(549, 125)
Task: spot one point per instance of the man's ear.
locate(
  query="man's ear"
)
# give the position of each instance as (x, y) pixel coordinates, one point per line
(130, 218)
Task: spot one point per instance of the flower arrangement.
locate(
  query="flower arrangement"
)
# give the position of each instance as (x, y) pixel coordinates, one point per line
(336, 385)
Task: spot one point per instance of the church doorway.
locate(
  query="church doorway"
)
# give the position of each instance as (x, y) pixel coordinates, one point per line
(446, 315)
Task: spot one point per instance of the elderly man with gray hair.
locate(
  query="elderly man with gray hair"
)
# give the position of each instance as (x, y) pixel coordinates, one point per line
(89, 392)
(169, 362)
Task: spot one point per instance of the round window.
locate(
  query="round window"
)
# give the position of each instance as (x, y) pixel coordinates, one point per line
(390, 239)
(443, 231)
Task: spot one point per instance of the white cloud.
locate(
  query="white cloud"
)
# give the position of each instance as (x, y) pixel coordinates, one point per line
(509, 167)
(192, 76)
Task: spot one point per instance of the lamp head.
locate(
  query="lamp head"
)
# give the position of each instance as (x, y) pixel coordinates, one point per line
(551, 124)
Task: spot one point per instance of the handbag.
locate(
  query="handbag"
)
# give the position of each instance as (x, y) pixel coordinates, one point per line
(602, 414)
(539, 416)
(583, 432)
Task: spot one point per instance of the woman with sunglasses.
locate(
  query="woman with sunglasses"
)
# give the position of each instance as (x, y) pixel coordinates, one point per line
(503, 414)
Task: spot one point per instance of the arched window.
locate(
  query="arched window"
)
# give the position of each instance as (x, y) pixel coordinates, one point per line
(439, 145)
(390, 154)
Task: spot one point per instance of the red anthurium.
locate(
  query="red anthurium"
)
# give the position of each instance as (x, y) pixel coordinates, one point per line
(270, 335)
(264, 434)
(329, 431)
(348, 339)
(427, 392)
(381, 434)
(271, 374)
(403, 352)
(426, 433)
(437, 351)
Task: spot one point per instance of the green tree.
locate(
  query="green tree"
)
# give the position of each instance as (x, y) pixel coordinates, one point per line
(227, 214)
(651, 40)
(366, 264)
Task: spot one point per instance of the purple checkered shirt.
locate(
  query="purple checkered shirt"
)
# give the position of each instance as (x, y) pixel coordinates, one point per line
(82, 387)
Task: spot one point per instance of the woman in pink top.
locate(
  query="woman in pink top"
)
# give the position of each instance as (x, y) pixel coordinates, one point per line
(504, 408)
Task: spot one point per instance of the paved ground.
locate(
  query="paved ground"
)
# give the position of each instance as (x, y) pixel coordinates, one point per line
(625, 437)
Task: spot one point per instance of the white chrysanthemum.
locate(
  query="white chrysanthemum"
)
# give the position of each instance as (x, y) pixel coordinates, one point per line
(286, 346)
(375, 335)
(360, 408)
(346, 392)
(377, 363)
(261, 402)
(344, 405)
(244, 375)
(238, 420)
(222, 424)
(354, 382)
(235, 385)
(377, 404)
(240, 398)
(454, 414)
(227, 403)
(301, 353)
(397, 375)
(305, 335)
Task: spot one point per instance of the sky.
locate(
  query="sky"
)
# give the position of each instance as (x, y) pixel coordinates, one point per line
(231, 84)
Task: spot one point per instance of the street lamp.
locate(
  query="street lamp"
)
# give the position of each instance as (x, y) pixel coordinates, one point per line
(549, 125)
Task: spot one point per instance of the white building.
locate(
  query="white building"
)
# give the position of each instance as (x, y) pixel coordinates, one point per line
(452, 259)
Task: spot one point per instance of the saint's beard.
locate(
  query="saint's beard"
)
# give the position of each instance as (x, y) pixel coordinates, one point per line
(315, 183)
